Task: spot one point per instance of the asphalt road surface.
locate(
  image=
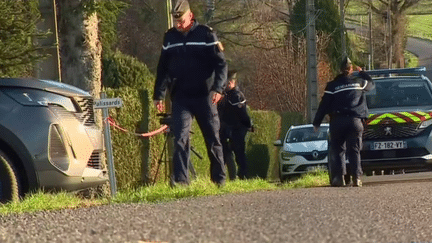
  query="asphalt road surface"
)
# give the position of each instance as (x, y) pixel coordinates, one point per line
(423, 50)
(420, 47)
(397, 212)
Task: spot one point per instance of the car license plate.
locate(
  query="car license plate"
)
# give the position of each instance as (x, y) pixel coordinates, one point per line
(389, 145)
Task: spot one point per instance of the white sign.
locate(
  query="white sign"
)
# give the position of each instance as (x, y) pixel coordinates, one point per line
(108, 103)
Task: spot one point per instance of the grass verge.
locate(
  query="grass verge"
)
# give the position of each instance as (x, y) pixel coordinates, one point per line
(158, 193)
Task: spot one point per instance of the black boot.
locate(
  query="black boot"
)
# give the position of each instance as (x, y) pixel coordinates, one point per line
(338, 182)
(357, 182)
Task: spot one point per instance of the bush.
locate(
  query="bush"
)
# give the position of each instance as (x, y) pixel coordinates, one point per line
(135, 158)
(260, 151)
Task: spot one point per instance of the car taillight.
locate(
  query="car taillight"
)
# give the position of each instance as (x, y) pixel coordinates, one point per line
(57, 149)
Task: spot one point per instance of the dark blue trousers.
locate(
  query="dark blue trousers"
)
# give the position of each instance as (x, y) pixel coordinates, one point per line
(346, 140)
(206, 115)
(233, 140)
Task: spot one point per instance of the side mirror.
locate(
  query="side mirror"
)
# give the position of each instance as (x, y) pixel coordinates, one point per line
(277, 143)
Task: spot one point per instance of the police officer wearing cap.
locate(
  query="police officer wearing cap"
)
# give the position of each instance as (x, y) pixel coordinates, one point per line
(345, 101)
(235, 123)
(193, 68)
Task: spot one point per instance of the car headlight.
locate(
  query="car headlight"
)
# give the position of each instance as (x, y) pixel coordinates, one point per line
(286, 155)
(426, 123)
(33, 97)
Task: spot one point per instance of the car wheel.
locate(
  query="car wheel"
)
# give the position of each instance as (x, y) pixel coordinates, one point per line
(9, 183)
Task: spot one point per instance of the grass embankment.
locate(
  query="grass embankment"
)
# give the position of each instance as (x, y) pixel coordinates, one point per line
(158, 193)
(420, 26)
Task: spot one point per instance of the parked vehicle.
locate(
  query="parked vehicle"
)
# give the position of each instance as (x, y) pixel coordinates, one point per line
(302, 150)
(398, 132)
(48, 138)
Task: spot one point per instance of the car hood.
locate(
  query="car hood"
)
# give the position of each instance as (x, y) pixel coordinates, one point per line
(400, 109)
(320, 145)
(399, 115)
(46, 85)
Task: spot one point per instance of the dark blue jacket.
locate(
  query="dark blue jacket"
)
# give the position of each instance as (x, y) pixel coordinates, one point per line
(233, 111)
(191, 65)
(345, 95)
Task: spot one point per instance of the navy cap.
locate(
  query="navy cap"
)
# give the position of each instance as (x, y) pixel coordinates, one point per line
(180, 8)
(232, 74)
(345, 64)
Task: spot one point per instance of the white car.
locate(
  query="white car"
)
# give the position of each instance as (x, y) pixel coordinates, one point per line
(303, 150)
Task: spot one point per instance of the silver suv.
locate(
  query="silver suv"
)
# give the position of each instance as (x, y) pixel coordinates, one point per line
(48, 138)
(398, 134)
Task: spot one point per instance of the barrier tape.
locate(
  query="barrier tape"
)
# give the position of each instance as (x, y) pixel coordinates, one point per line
(111, 121)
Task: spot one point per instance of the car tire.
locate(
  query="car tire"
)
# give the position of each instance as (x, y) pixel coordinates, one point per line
(9, 181)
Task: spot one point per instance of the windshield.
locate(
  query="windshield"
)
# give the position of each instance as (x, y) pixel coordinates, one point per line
(307, 134)
(399, 93)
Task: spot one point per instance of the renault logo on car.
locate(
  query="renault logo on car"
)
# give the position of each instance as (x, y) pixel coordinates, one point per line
(315, 154)
(388, 131)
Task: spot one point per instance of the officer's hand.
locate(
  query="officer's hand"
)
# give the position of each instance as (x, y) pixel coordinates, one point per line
(359, 68)
(216, 97)
(159, 105)
(316, 129)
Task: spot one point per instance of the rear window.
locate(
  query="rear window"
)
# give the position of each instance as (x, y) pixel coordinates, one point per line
(307, 134)
(399, 93)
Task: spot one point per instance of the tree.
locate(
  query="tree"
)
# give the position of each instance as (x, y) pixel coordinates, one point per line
(80, 47)
(18, 53)
(327, 20)
(398, 10)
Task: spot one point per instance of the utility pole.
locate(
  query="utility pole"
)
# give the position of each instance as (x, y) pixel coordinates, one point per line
(210, 8)
(342, 14)
(312, 84)
(170, 142)
(49, 68)
(370, 56)
(390, 43)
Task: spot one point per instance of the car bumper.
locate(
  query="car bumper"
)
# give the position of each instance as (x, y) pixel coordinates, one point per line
(416, 156)
(56, 180)
(300, 166)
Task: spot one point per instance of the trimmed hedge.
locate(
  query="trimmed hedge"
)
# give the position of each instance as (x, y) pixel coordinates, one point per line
(134, 157)
(260, 151)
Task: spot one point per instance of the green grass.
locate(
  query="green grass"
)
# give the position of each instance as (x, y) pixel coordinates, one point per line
(412, 60)
(158, 193)
(40, 201)
(420, 26)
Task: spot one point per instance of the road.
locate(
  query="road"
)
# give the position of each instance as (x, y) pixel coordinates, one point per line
(423, 50)
(419, 47)
(398, 212)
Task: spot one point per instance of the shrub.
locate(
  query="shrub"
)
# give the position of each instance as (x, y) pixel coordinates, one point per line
(135, 158)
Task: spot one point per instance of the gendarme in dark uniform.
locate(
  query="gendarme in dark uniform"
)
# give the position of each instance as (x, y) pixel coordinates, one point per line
(193, 67)
(345, 101)
(235, 122)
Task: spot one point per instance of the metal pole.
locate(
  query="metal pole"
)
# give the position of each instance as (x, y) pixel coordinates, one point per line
(108, 147)
(390, 35)
(342, 13)
(312, 84)
(370, 40)
(170, 139)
